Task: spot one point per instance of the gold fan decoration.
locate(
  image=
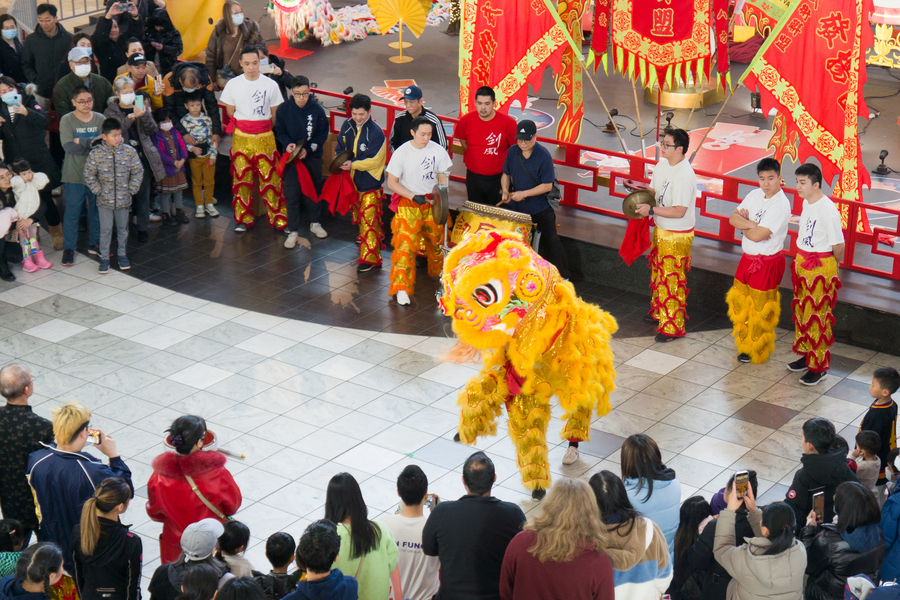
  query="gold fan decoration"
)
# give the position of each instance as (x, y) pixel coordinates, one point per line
(412, 13)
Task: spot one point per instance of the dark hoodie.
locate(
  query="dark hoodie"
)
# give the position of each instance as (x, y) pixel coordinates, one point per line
(113, 570)
(701, 560)
(11, 589)
(833, 556)
(167, 579)
(819, 472)
(336, 586)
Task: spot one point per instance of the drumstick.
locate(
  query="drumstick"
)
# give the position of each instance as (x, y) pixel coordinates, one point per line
(232, 454)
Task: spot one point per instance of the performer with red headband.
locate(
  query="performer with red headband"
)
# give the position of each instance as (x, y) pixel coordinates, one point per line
(674, 186)
(414, 170)
(361, 134)
(820, 247)
(251, 101)
(754, 303)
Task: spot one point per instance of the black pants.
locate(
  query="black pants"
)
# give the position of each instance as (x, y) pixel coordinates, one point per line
(296, 200)
(550, 247)
(483, 189)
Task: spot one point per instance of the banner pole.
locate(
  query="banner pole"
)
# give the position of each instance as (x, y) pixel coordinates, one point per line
(605, 109)
(713, 124)
(691, 116)
(637, 107)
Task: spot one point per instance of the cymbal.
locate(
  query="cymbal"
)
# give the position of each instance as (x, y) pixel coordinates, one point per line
(441, 208)
(296, 151)
(631, 201)
(335, 167)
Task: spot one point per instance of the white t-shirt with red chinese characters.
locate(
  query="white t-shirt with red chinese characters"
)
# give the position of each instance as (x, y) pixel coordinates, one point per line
(675, 186)
(417, 168)
(820, 226)
(252, 100)
(486, 141)
(772, 213)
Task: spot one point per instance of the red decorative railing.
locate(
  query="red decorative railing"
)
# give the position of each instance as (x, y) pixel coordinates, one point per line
(863, 252)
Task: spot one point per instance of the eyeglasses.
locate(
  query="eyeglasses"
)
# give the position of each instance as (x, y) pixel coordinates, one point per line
(301, 95)
(84, 102)
(666, 146)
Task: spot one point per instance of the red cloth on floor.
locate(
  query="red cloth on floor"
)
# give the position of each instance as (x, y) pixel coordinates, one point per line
(636, 240)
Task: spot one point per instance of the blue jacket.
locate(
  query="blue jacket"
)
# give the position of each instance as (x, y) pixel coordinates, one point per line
(62, 481)
(11, 589)
(662, 507)
(890, 526)
(370, 152)
(336, 586)
(309, 123)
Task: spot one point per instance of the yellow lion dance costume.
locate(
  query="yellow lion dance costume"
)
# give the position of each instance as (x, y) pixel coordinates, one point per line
(539, 340)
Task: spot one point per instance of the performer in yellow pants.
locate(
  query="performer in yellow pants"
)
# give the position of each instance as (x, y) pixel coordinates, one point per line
(820, 247)
(670, 261)
(367, 213)
(254, 154)
(413, 227)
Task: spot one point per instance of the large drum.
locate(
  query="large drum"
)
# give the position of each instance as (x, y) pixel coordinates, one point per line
(475, 218)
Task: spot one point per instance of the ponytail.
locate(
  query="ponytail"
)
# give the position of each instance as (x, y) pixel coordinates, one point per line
(38, 562)
(112, 492)
(12, 535)
(778, 518)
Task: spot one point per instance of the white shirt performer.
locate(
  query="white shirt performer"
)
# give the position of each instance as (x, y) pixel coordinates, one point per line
(414, 169)
(251, 101)
(675, 187)
(754, 302)
(820, 247)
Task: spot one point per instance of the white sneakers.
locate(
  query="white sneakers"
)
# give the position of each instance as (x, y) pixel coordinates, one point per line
(402, 298)
(291, 241)
(571, 456)
(211, 210)
(317, 230)
(199, 213)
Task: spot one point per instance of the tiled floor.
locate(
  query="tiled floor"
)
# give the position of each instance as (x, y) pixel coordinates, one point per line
(304, 400)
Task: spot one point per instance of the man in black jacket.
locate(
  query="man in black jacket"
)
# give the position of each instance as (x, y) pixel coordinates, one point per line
(23, 432)
(414, 102)
(185, 79)
(302, 119)
(43, 51)
(822, 471)
(110, 38)
(470, 535)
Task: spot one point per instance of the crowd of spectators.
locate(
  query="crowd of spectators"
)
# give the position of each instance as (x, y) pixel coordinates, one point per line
(623, 536)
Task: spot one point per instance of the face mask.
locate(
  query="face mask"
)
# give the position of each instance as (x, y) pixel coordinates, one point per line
(127, 99)
(263, 62)
(165, 126)
(11, 98)
(90, 51)
(188, 90)
(82, 70)
(10, 33)
(237, 19)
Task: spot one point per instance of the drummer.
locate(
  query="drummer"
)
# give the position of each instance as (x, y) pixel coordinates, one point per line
(414, 170)
(365, 138)
(302, 120)
(674, 186)
(528, 175)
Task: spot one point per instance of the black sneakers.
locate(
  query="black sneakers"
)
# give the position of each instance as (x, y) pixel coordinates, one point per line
(813, 378)
(797, 365)
(743, 358)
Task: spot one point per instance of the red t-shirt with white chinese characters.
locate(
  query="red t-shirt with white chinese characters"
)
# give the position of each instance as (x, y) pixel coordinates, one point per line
(486, 141)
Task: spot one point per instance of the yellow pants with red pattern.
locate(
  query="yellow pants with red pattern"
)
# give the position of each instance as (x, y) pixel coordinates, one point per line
(815, 294)
(367, 213)
(670, 260)
(412, 224)
(254, 154)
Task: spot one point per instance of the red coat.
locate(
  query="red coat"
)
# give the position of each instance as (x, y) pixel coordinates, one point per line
(172, 502)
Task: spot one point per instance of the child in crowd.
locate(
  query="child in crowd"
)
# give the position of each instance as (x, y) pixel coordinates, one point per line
(203, 152)
(868, 466)
(113, 172)
(319, 548)
(232, 544)
(841, 444)
(26, 186)
(882, 418)
(12, 540)
(174, 154)
(278, 583)
(891, 471)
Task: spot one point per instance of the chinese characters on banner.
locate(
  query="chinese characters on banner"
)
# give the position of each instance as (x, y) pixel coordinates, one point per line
(812, 70)
(507, 45)
(662, 40)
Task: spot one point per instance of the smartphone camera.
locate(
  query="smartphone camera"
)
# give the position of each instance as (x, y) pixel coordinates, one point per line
(741, 483)
(819, 506)
(94, 437)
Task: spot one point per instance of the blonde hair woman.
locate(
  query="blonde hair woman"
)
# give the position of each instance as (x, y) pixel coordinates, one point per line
(560, 554)
(107, 556)
(231, 33)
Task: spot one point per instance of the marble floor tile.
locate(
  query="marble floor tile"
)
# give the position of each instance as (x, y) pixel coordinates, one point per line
(90, 368)
(126, 380)
(699, 373)
(682, 348)
(674, 389)
(256, 484)
(359, 425)
(126, 326)
(162, 363)
(402, 439)
(395, 339)
(334, 340)
(25, 319)
(89, 315)
(325, 443)
(342, 367)
(271, 371)
(649, 406)
(422, 391)
(238, 387)
(718, 356)
(788, 397)
(310, 383)
(54, 384)
(433, 421)
(783, 443)
(90, 292)
(161, 337)
(164, 392)
(655, 362)
(200, 376)
(162, 313)
(622, 423)
(24, 295)
(125, 302)
(243, 416)
(318, 412)
(411, 363)
(623, 350)
(53, 356)
(194, 322)
(55, 330)
(767, 466)
(259, 517)
(290, 463)
(277, 400)
(740, 432)
(298, 499)
(198, 348)
(715, 451)
(229, 333)
(128, 409)
(287, 432)
(233, 360)
(92, 396)
(372, 351)
(671, 438)
(150, 291)
(693, 419)
(382, 379)
(368, 458)
(91, 341)
(266, 344)
(258, 321)
(695, 473)
(634, 378)
(127, 352)
(452, 374)
(391, 407)
(742, 385)
(767, 415)
(18, 346)
(299, 330)
(836, 410)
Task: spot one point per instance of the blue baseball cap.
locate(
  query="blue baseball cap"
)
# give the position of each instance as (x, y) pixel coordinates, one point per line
(413, 92)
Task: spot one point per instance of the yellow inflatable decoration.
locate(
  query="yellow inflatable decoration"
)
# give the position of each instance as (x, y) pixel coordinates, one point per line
(195, 20)
(539, 340)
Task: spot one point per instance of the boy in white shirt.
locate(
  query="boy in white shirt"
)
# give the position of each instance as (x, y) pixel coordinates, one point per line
(419, 573)
(820, 247)
(868, 465)
(414, 169)
(251, 100)
(754, 302)
(674, 186)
